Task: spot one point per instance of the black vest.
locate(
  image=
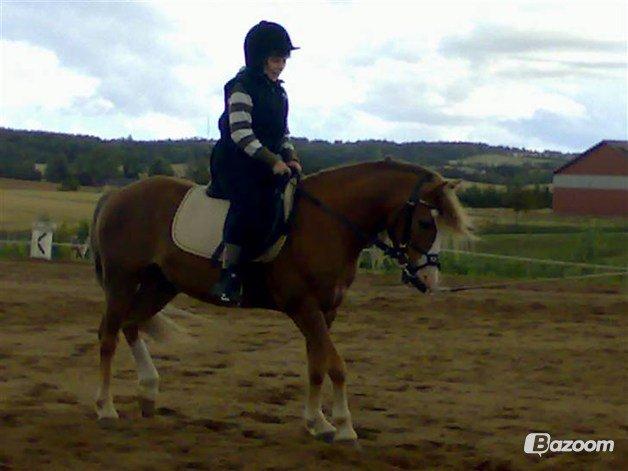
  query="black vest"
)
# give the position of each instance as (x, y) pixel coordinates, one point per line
(270, 109)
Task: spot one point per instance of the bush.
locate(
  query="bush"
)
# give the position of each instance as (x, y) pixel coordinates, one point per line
(14, 251)
(515, 197)
(20, 169)
(97, 166)
(160, 166)
(82, 231)
(57, 168)
(198, 171)
(70, 183)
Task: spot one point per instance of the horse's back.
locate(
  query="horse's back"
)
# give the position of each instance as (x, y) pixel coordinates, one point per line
(157, 185)
(136, 219)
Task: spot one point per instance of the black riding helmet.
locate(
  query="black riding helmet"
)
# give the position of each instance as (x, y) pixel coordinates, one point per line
(263, 40)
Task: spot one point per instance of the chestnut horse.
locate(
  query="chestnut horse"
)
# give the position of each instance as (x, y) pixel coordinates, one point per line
(141, 269)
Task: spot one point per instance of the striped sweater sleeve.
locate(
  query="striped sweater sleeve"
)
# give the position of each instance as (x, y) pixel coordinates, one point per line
(287, 149)
(240, 124)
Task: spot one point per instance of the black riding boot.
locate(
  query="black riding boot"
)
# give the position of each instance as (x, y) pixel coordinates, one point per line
(228, 290)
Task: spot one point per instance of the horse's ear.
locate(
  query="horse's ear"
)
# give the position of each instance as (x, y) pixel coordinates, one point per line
(431, 193)
(438, 186)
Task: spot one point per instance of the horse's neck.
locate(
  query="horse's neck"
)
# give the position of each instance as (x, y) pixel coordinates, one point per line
(367, 199)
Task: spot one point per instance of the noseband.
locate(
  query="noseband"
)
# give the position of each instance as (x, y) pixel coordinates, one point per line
(399, 249)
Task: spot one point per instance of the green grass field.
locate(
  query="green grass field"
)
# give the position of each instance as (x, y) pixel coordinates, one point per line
(179, 169)
(19, 208)
(593, 246)
(490, 220)
(534, 234)
(540, 234)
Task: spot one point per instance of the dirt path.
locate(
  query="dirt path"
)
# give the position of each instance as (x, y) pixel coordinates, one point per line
(450, 381)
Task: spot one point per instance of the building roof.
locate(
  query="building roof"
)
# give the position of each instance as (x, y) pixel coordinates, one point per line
(621, 146)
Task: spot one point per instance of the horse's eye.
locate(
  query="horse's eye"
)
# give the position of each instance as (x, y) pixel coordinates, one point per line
(426, 224)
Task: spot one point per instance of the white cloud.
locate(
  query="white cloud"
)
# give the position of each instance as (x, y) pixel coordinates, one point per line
(513, 101)
(33, 78)
(493, 70)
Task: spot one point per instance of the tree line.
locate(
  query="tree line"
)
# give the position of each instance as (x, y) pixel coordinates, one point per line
(74, 160)
(515, 196)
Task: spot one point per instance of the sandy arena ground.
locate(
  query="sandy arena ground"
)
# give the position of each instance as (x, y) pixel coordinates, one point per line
(452, 381)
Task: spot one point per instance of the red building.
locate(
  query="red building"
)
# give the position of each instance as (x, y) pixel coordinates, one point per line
(594, 183)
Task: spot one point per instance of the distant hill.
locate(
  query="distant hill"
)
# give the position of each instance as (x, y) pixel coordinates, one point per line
(493, 160)
(21, 150)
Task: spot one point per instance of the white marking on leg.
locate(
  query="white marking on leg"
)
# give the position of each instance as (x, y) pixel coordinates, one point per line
(341, 414)
(147, 375)
(315, 420)
(104, 404)
(105, 408)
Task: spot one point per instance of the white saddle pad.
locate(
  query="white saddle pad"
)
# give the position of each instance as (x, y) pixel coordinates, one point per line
(198, 223)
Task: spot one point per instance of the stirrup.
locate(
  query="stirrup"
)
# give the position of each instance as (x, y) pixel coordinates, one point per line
(225, 300)
(227, 290)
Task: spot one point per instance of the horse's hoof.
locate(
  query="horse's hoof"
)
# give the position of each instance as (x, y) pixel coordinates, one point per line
(105, 411)
(327, 437)
(147, 406)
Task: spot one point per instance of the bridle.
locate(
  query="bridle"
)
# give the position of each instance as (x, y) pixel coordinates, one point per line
(399, 248)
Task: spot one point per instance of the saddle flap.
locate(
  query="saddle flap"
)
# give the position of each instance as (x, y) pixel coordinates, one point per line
(198, 224)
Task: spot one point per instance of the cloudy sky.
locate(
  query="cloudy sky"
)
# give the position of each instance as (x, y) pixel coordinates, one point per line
(535, 74)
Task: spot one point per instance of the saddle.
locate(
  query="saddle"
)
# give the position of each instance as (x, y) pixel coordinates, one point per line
(197, 226)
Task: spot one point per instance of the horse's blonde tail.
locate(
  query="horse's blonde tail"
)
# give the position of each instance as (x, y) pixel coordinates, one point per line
(162, 328)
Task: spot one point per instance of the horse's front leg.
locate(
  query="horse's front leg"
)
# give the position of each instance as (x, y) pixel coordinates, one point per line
(340, 409)
(324, 359)
(312, 325)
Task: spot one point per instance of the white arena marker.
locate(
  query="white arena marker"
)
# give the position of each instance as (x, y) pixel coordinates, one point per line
(41, 240)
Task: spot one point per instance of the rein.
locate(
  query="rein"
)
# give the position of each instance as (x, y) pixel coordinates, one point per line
(398, 250)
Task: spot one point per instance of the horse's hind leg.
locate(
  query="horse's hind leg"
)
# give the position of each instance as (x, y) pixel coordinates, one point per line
(108, 334)
(118, 303)
(152, 295)
(147, 375)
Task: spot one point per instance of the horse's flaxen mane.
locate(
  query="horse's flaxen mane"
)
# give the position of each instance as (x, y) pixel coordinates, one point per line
(452, 214)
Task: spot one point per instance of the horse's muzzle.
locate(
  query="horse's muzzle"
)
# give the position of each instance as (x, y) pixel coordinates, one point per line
(409, 277)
